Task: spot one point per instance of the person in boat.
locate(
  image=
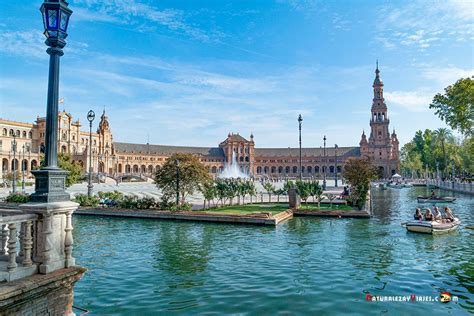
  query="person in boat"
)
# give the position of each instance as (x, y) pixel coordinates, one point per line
(428, 215)
(418, 216)
(437, 214)
(433, 194)
(449, 214)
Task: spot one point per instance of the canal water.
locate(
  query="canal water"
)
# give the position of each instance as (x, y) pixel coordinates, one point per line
(317, 266)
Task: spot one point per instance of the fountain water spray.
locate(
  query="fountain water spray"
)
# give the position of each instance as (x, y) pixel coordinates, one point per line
(232, 170)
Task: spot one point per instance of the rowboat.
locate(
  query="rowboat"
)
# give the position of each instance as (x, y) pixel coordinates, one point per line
(432, 227)
(436, 199)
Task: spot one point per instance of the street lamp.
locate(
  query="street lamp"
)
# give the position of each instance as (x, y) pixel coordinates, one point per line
(325, 164)
(177, 182)
(300, 121)
(90, 118)
(14, 166)
(23, 166)
(335, 165)
(50, 180)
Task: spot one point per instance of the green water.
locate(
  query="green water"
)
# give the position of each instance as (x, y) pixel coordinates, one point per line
(307, 266)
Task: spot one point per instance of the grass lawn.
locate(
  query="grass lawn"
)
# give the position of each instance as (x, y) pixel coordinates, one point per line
(249, 209)
(326, 207)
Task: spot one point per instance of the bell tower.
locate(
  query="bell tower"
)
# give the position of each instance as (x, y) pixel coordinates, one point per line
(381, 147)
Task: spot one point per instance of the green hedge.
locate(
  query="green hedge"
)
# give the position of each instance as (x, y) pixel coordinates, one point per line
(17, 197)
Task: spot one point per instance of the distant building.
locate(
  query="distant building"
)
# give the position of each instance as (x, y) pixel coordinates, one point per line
(116, 158)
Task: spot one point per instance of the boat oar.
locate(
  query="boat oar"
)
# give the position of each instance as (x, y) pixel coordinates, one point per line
(470, 227)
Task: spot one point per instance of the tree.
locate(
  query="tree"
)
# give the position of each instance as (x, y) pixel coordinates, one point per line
(65, 162)
(208, 190)
(315, 190)
(303, 190)
(441, 136)
(359, 172)
(268, 186)
(456, 106)
(192, 174)
(278, 193)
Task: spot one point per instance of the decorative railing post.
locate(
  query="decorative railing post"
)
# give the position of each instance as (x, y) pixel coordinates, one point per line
(3, 239)
(69, 260)
(21, 238)
(12, 248)
(47, 242)
(27, 244)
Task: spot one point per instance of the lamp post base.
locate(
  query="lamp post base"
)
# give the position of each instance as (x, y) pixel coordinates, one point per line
(50, 186)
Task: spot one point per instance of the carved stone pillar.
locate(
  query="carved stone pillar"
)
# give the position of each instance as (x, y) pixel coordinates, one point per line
(3, 239)
(27, 244)
(12, 248)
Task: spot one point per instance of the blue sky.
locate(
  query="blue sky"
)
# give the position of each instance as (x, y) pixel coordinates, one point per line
(189, 72)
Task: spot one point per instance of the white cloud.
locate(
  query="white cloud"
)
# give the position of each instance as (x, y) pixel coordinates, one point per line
(413, 101)
(446, 75)
(422, 24)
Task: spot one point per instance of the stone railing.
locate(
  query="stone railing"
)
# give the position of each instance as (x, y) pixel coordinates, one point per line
(36, 239)
(453, 186)
(17, 241)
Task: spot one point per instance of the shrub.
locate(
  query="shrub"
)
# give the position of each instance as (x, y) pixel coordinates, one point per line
(128, 201)
(115, 195)
(146, 203)
(183, 207)
(17, 197)
(84, 200)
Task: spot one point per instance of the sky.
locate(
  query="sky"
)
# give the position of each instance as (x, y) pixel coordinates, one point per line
(189, 72)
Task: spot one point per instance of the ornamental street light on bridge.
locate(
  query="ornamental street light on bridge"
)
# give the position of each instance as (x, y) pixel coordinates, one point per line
(90, 186)
(14, 164)
(50, 180)
(300, 121)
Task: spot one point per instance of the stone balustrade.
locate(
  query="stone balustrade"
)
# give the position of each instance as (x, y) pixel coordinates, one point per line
(453, 186)
(37, 238)
(17, 241)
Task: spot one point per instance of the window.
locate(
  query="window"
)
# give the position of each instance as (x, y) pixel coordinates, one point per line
(24, 134)
(5, 132)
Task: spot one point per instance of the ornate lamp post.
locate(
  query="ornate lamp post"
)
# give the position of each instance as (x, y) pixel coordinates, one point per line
(300, 121)
(14, 166)
(90, 186)
(325, 164)
(177, 182)
(50, 180)
(335, 165)
(23, 166)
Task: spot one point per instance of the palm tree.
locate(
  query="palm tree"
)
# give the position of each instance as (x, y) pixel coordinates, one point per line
(441, 136)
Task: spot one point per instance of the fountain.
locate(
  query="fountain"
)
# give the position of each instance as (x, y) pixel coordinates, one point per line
(232, 170)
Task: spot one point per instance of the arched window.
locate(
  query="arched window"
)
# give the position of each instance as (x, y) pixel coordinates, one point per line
(339, 169)
(23, 134)
(280, 169)
(150, 169)
(295, 169)
(259, 170)
(241, 159)
(302, 169)
(5, 132)
(34, 164)
(287, 170)
(214, 169)
(310, 169)
(273, 169)
(316, 169)
(247, 159)
(119, 168)
(331, 169)
(265, 170)
(12, 132)
(17, 133)
(30, 134)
